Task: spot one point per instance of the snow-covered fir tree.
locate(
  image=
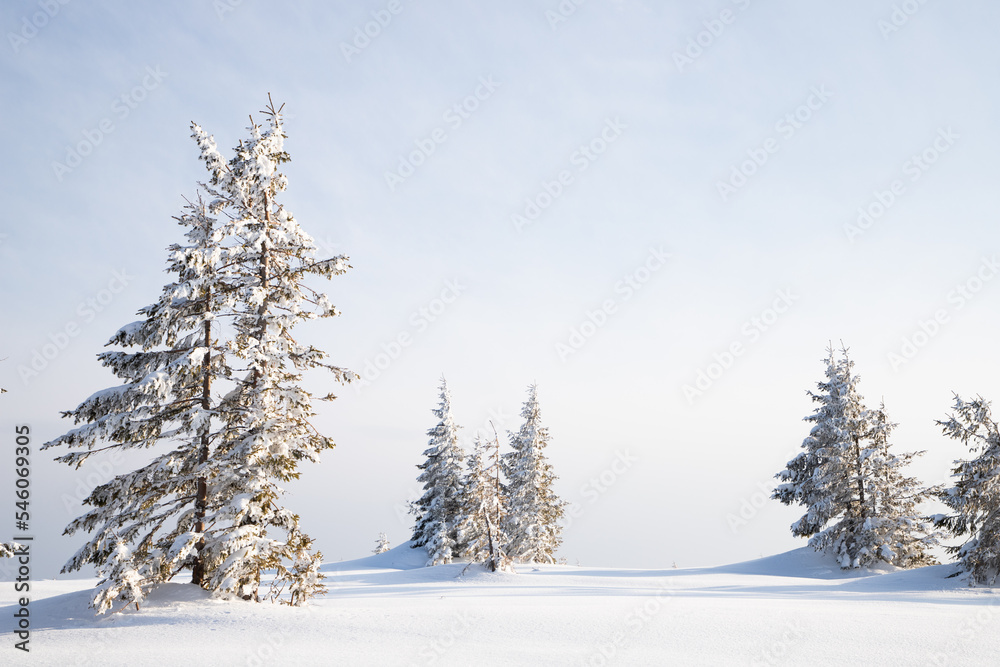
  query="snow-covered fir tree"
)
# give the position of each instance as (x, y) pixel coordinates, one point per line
(533, 509)
(894, 530)
(438, 509)
(860, 508)
(382, 545)
(480, 530)
(212, 386)
(9, 550)
(147, 524)
(268, 432)
(804, 483)
(975, 497)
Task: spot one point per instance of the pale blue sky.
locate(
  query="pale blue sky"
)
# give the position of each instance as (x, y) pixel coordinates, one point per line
(681, 133)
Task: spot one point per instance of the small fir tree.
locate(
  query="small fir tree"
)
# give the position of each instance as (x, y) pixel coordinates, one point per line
(382, 545)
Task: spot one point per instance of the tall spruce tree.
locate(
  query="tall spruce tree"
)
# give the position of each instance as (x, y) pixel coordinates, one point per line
(268, 432)
(215, 382)
(438, 509)
(860, 508)
(975, 496)
(533, 509)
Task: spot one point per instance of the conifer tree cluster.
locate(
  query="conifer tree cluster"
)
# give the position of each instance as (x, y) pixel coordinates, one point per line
(211, 387)
(860, 506)
(496, 508)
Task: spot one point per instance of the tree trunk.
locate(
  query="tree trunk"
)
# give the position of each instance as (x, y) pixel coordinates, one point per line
(862, 510)
(201, 500)
(494, 564)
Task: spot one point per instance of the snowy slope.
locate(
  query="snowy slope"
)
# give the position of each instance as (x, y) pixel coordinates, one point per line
(790, 609)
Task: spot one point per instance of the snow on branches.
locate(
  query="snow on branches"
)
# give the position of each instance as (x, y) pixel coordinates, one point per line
(211, 384)
(483, 515)
(382, 544)
(975, 496)
(533, 509)
(437, 510)
(501, 509)
(860, 507)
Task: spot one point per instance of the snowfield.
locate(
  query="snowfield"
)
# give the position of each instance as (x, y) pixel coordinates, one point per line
(796, 608)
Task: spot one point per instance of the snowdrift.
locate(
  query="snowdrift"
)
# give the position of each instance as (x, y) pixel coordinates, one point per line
(793, 608)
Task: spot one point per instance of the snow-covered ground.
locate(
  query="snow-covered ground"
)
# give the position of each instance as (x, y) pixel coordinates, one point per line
(796, 608)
